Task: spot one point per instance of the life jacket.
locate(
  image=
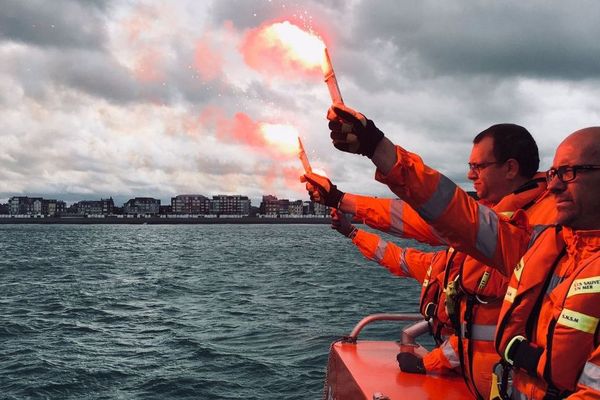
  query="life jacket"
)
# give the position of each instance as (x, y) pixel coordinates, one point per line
(482, 288)
(570, 316)
(433, 296)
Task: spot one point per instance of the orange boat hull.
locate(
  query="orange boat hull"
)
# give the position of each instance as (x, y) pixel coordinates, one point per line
(369, 370)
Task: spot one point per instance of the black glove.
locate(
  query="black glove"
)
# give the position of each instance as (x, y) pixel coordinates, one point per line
(352, 132)
(410, 363)
(526, 356)
(341, 224)
(321, 190)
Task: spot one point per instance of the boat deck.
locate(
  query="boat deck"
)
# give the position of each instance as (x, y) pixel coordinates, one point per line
(369, 370)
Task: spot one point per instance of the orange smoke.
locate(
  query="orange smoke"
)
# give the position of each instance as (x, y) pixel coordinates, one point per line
(276, 143)
(283, 49)
(148, 63)
(277, 140)
(148, 66)
(207, 60)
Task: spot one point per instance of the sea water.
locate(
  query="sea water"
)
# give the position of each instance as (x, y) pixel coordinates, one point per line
(183, 311)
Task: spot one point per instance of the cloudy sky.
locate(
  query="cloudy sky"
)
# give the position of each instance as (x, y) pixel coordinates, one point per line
(158, 98)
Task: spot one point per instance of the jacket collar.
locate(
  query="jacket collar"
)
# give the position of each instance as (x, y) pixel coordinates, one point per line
(524, 196)
(581, 244)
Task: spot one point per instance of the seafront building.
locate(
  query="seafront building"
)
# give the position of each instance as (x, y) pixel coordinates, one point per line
(230, 205)
(271, 206)
(35, 206)
(182, 206)
(190, 204)
(93, 207)
(142, 206)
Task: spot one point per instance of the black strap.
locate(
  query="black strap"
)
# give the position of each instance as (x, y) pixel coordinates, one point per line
(532, 184)
(454, 319)
(437, 333)
(503, 383)
(448, 268)
(553, 393)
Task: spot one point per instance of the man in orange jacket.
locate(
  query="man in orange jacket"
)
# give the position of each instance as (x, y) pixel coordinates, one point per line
(503, 165)
(548, 331)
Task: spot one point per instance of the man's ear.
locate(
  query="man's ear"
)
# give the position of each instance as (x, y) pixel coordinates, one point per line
(512, 168)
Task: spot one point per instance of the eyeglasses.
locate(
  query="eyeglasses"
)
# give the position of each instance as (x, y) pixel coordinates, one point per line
(477, 167)
(566, 173)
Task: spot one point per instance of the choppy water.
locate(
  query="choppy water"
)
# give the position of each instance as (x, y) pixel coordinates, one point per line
(182, 312)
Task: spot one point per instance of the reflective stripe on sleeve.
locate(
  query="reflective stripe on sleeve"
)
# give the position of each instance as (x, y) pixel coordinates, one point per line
(396, 224)
(439, 200)
(585, 286)
(450, 354)
(380, 250)
(590, 376)
(576, 320)
(403, 263)
(487, 232)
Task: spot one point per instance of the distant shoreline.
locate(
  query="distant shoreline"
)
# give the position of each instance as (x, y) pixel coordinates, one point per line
(163, 221)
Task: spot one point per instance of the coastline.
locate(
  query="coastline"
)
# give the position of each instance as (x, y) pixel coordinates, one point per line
(164, 221)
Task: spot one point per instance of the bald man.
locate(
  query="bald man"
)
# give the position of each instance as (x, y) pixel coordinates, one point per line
(548, 331)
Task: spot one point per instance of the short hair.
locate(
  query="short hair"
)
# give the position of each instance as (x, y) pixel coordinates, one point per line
(513, 141)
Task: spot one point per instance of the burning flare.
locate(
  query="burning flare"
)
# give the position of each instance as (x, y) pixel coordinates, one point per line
(283, 48)
(280, 136)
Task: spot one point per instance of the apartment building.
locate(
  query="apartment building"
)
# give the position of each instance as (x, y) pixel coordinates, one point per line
(195, 204)
(142, 205)
(230, 205)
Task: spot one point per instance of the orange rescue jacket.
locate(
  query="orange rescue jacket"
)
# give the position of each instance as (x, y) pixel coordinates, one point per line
(552, 352)
(481, 288)
(500, 242)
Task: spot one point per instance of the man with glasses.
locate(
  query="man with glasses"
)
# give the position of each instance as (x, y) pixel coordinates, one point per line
(459, 294)
(548, 332)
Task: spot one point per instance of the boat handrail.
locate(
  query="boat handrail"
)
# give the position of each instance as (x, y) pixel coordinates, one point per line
(408, 334)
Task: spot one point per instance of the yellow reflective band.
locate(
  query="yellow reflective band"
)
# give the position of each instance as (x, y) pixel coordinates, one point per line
(585, 286)
(511, 292)
(576, 320)
(508, 214)
(519, 269)
(425, 282)
(429, 271)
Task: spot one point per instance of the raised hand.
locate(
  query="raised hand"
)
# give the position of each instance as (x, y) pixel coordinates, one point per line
(352, 132)
(340, 223)
(321, 190)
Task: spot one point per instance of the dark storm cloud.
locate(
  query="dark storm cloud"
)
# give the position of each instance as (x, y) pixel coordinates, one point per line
(99, 75)
(243, 13)
(216, 167)
(67, 49)
(536, 38)
(57, 23)
(87, 71)
(250, 13)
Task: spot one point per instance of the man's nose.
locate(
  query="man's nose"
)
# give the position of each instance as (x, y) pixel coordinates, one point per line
(471, 175)
(555, 185)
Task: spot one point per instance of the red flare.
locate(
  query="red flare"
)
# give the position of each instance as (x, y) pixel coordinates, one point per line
(283, 49)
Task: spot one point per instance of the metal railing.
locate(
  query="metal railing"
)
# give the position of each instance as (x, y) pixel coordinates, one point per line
(408, 334)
